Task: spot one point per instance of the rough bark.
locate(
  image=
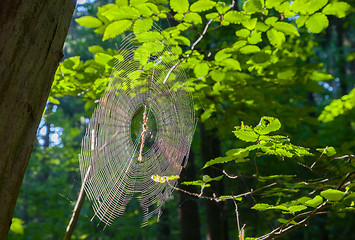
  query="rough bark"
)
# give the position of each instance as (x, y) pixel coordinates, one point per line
(32, 34)
(188, 208)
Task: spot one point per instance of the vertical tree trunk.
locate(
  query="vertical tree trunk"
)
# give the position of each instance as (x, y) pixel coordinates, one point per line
(188, 208)
(216, 224)
(32, 34)
(341, 55)
(163, 225)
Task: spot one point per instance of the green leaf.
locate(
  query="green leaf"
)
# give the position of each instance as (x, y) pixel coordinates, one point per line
(202, 5)
(271, 177)
(301, 20)
(253, 6)
(119, 13)
(339, 9)
(255, 37)
(332, 195)
(271, 21)
(230, 197)
(232, 155)
(307, 6)
(315, 202)
(217, 75)
(250, 23)
(296, 208)
(261, 206)
(329, 151)
(278, 207)
(102, 58)
(236, 17)
(246, 134)
(222, 7)
(142, 25)
(282, 220)
(317, 22)
(243, 33)
(267, 125)
(273, 3)
(214, 16)
(239, 44)
(96, 49)
(193, 17)
(183, 40)
(201, 69)
(275, 37)
(89, 21)
(320, 76)
(286, 74)
(153, 7)
(223, 54)
(249, 49)
(231, 63)
(149, 36)
(16, 226)
(144, 10)
(262, 27)
(121, 3)
(207, 178)
(53, 100)
(286, 28)
(196, 183)
(116, 28)
(179, 6)
(71, 63)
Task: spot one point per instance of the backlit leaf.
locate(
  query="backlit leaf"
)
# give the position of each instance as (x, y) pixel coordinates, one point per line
(275, 37)
(329, 151)
(16, 226)
(89, 21)
(260, 206)
(296, 208)
(202, 5)
(253, 6)
(332, 195)
(116, 28)
(243, 33)
(307, 6)
(179, 6)
(231, 63)
(236, 17)
(301, 20)
(315, 202)
(249, 49)
(317, 22)
(267, 125)
(282, 220)
(193, 17)
(119, 13)
(142, 25)
(246, 134)
(339, 9)
(201, 69)
(286, 28)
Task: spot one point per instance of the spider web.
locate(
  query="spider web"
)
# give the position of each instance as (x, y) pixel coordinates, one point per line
(142, 127)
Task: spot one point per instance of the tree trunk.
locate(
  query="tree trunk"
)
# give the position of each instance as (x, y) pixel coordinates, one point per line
(216, 221)
(32, 34)
(188, 209)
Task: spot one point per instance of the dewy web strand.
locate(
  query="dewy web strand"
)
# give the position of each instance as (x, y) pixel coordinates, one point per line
(142, 127)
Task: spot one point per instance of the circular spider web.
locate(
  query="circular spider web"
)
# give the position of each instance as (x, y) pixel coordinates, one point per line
(142, 127)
